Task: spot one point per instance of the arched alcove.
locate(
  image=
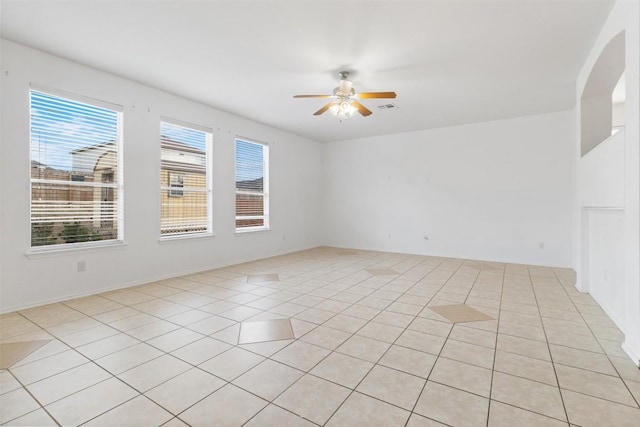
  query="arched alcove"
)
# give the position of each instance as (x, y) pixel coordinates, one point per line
(596, 104)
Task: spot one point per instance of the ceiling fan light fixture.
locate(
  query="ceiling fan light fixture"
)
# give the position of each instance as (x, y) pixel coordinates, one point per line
(343, 109)
(345, 99)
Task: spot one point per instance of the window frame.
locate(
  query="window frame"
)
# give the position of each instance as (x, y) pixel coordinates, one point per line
(265, 188)
(118, 187)
(176, 193)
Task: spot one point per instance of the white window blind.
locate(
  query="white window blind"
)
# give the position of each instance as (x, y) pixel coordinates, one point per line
(75, 172)
(252, 186)
(185, 182)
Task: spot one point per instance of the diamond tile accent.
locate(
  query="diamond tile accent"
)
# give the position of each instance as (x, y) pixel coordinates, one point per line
(259, 278)
(13, 352)
(265, 330)
(459, 313)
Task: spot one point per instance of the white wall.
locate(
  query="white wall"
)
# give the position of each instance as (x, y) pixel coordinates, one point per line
(31, 280)
(592, 250)
(495, 191)
(618, 115)
(601, 174)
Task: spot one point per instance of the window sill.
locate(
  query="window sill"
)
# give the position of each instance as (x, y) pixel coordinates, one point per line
(251, 230)
(63, 250)
(182, 238)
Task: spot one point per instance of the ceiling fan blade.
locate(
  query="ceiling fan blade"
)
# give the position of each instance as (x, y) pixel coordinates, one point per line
(325, 108)
(361, 108)
(314, 96)
(368, 95)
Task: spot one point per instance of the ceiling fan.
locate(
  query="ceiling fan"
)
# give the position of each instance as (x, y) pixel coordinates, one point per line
(344, 99)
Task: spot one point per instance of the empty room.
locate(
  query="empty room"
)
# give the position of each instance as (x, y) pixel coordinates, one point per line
(320, 213)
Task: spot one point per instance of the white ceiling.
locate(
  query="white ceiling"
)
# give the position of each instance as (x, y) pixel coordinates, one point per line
(450, 62)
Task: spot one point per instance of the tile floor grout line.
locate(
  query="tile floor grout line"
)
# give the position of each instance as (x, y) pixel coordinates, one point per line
(535, 296)
(334, 351)
(495, 348)
(606, 354)
(325, 276)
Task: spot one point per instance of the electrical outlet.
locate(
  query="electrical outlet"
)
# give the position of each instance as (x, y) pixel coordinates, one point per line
(82, 266)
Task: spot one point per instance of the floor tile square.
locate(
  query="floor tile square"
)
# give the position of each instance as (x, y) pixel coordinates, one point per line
(525, 367)
(411, 361)
(39, 418)
(232, 363)
(589, 411)
(240, 313)
(363, 411)
(15, 404)
(394, 319)
(268, 379)
(313, 398)
(301, 355)
(201, 350)
(128, 358)
(229, 406)
(452, 406)
(531, 395)
(106, 346)
(523, 346)
(8, 382)
(345, 323)
(175, 339)
(91, 402)
(471, 335)
(211, 325)
(594, 384)
(468, 353)
(153, 372)
(364, 348)
(265, 330)
(380, 331)
(395, 387)
(423, 342)
(502, 415)
(419, 421)
(588, 360)
(184, 390)
(137, 411)
(459, 313)
(463, 376)
(274, 416)
(68, 382)
(342, 369)
(326, 337)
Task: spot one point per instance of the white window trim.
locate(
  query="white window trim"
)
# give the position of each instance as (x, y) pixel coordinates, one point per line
(62, 248)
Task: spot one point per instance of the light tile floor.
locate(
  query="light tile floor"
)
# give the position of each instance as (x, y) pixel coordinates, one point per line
(368, 350)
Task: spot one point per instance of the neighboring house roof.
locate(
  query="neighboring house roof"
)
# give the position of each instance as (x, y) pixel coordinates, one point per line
(251, 184)
(169, 144)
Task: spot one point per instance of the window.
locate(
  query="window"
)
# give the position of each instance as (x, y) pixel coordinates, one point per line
(252, 186)
(185, 180)
(75, 170)
(176, 185)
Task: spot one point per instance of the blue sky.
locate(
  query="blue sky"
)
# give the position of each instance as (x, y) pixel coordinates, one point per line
(59, 126)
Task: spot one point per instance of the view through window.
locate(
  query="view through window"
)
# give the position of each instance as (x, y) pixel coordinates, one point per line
(252, 186)
(185, 183)
(75, 184)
